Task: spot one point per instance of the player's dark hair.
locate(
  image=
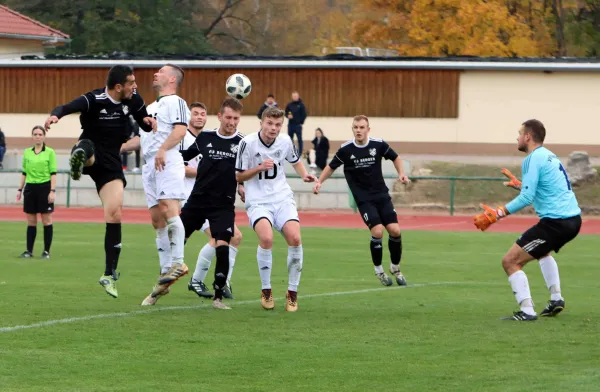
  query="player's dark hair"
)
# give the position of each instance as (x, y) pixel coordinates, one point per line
(270, 96)
(118, 75)
(536, 129)
(198, 105)
(272, 112)
(40, 128)
(360, 117)
(178, 72)
(233, 104)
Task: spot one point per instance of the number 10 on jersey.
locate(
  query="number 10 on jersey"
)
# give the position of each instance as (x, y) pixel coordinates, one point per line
(269, 174)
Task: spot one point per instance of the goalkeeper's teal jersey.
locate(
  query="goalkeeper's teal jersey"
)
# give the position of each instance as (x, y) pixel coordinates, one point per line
(546, 185)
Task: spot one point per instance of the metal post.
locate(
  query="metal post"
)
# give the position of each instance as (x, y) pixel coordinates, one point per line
(452, 191)
(68, 190)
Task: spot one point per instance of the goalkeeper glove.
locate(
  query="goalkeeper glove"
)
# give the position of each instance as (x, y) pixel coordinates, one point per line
(514, 182)
(489, 216)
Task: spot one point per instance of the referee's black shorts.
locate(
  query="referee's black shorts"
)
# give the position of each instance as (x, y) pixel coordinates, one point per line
(35, 198)
(549, 235)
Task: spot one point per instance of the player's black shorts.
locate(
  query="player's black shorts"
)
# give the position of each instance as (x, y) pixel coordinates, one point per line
(220, 219)
(35, 198)
(105, 169)
(378, 212)
(549, 235)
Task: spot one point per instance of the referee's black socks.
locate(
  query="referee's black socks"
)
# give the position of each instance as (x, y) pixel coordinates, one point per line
(221, 270)
(31, 233)
(376, 251)
(112, 247)
(48, 233)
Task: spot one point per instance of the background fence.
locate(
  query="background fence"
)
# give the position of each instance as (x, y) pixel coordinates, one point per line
(83, 193)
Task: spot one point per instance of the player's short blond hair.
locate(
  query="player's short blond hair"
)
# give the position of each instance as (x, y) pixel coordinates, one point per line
(272, 112)
(359, 118)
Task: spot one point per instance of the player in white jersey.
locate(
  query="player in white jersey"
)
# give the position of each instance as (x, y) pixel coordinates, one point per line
(270, 200)
(164, 172)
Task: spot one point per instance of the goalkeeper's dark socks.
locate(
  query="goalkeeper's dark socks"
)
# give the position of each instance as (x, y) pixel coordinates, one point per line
(376, 251)
(395, 247)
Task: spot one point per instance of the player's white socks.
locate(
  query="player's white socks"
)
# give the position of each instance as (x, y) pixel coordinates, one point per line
(520, 287)
(294, 265)
(379, 269)
(207, 253)
(265, 265)
(232, 254)
(163, 246)
(550, 272)
(177, 235)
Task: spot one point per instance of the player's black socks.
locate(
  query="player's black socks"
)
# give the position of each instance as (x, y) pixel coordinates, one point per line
(31, 233)
(376, 251)
(48, 233)
(395, 247)
(221, 270)
(112, 247)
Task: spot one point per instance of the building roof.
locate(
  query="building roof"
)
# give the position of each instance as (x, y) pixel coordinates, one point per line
(16, 25)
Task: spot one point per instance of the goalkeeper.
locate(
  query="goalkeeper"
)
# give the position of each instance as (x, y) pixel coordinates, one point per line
(546, 186)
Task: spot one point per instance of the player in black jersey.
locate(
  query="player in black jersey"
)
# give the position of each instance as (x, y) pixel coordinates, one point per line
(361, 158)
(213, 195)
(104, 116)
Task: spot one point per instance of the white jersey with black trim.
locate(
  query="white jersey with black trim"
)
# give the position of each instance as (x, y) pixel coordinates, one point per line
(146, 138)
(187, 141)
(270, 186)
(170, 110)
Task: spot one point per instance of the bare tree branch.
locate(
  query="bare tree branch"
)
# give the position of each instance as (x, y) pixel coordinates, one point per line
(229, 4)
(244, 42)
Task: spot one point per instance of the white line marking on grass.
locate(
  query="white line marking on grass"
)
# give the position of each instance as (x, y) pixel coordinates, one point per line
(70, 320)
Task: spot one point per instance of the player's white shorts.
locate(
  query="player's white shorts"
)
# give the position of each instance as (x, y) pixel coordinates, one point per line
(167, 184)
(205, 225)
(278, 214)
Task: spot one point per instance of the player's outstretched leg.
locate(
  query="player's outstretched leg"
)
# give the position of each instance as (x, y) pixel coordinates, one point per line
(513, 262)
(395, 248)
(163, 247)
(236, 240)
(264, 256)
(377, 255)
(81, 153)
(111, 195)
(221, 268)
(291, 232)
(203, 263)
(177, 232)
(550, 272)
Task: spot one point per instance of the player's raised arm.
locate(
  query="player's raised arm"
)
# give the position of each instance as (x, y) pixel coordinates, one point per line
(80, 104)
(141, 116)
(178, 116)
(192, 151)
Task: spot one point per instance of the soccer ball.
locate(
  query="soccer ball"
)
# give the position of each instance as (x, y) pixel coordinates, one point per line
(238, 86)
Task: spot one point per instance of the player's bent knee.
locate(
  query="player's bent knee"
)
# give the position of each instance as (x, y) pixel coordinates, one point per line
(393, 230)
(31, 219)
(236, 240)
(377, 231)
(46, 219)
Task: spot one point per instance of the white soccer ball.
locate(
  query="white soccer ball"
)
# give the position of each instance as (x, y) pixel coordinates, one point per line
(238, 86)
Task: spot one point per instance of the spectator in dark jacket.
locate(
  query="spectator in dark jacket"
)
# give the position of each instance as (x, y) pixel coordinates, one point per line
(2, 147)
(296, 114)
(321, 144)
(269, 103)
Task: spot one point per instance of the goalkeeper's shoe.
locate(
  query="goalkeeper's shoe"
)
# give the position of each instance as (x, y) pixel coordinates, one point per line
(176, 271)
(291, 301)
(266, 299)
(227, 291)
(553, 308)
(109, 282)
(199, 288)
(400, 279)
(76, 163)
(384, 279)
(521, 316)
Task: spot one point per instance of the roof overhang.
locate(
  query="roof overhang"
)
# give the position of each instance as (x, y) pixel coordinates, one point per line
(43, 38)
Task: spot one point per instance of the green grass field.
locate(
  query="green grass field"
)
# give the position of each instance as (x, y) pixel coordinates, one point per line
(441, 333)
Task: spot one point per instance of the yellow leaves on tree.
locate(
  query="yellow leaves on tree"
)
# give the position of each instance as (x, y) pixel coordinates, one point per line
(451, 27)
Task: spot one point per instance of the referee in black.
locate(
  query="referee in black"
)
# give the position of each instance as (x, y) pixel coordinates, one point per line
(37, 188)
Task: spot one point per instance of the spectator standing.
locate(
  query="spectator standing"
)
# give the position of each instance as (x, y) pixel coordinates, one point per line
(296, 114)
(269, 103)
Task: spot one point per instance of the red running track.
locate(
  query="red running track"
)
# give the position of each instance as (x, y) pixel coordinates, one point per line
(513, 224)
